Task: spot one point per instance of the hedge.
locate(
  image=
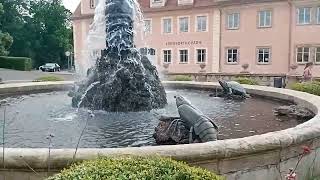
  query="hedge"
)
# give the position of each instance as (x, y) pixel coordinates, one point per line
(309, 87)
(17, 63)
(134, 168)
(181, 78)
(249, 81)
(48, 78)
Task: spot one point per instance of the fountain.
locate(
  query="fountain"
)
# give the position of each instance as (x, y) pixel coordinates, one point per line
(126, 87)
(122, 80)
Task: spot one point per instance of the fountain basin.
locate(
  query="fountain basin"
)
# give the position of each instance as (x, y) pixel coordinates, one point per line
(255, 157)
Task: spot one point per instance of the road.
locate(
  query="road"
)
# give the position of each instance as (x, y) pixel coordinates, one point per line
(13, 76)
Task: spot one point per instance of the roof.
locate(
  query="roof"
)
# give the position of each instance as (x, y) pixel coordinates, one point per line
(173, 5)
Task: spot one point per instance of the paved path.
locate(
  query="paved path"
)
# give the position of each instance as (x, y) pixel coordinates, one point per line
(13, 76)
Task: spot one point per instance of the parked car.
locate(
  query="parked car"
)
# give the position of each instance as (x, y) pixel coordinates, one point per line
(50, 67)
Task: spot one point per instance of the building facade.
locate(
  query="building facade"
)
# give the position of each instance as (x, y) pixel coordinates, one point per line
(223, 36)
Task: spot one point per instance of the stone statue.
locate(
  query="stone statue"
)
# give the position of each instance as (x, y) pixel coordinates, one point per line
(232, 89)
(301, 114)
(122, 79)
(192, 126)
(198, 124)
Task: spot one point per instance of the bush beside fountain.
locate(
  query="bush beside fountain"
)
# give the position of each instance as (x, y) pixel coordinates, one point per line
(309, 87)
(128, 167)
(244, 80)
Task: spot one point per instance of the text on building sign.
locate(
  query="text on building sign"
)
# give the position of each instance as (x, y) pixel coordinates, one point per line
(183, 43)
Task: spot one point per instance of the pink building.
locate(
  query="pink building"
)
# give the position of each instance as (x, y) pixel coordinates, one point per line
(220, 36)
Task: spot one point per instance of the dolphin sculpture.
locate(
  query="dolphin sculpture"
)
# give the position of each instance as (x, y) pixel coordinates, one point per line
(233, 88)
(197, 123)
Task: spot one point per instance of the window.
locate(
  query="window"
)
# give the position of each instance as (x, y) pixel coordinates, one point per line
(318, 15)
(143, 51)
(167, 56)
(152, 51)
(232, 55)
(304, 15)
(92, 4)
(147, 26)
(167, 26)
(201, 23)
(183, 56)
(184, 24)
(265, 18)
(233, 21)
(95, 53)
(263, 55)
(147, 51)
(201, 55)
(317, 58)
(303, 54)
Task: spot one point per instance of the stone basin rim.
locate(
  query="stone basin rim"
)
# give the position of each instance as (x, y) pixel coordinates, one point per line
(273, 141)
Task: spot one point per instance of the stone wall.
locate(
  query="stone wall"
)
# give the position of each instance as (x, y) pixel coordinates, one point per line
(262, 79)
(261, 157)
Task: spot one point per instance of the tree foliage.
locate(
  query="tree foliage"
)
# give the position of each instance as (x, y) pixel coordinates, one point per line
(40, 29)
(5, 38)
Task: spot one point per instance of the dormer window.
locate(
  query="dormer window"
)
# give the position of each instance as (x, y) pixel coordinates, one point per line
(157, 3)
(185, 2)
(92, 4)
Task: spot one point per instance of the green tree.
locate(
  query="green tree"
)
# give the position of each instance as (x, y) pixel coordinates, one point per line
(5, 38)
(40, 29)
(51, 23)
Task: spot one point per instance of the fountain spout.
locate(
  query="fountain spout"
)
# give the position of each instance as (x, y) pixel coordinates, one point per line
(122, 80)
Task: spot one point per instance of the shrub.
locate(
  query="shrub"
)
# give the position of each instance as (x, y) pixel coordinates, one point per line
(181, 78)
(243, 80)
(314, 178)
(309, 87)
(134, 168)
(48, 78)
(17, 63)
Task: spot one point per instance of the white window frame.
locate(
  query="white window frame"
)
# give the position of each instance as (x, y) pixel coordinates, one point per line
(162, 25)
(257, 55)
(264, 24)
(232, 14)
(304, 19)
(163, 54)
(227, 54)
(315, 54)
(179, 25)
(150, 29)
(188, 55)
(196, 24)
(318, 15)
(309, 52)
(196, 55)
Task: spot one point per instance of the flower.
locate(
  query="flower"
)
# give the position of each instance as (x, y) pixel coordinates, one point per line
(306, 149)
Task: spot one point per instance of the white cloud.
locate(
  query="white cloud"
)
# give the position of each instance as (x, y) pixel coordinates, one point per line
(71, 4)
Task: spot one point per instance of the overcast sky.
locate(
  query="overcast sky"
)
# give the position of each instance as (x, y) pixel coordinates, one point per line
(71, 4)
